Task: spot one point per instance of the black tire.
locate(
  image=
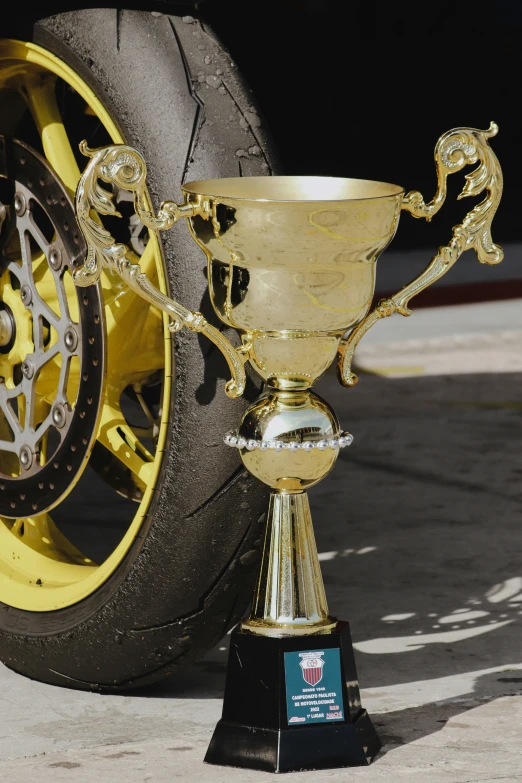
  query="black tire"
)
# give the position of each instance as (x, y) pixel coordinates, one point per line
(188, 576)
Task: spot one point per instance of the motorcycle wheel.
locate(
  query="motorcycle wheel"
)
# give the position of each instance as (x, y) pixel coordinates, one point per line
(129, 534)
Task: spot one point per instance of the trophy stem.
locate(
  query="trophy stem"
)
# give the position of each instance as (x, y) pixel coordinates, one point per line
(289, 598)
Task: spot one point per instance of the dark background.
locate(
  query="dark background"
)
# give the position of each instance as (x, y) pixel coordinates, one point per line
(364, 89)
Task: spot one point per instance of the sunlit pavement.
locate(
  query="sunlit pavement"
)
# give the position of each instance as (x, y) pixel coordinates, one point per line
(481, 338)
(420, 533)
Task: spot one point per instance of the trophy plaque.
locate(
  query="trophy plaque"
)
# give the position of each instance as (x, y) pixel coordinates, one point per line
(291, 266)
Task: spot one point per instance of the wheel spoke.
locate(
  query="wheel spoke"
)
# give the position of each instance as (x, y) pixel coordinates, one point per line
(136, 343)
(118, 437)
(12, 419)
(43, 538)
(153, 429)
(136, 350)
(41, 100)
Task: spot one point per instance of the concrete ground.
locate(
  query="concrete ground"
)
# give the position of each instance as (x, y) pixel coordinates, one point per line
(419, 530)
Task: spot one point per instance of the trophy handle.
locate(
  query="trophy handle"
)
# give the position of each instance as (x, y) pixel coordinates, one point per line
(125, 167)
(455, 149)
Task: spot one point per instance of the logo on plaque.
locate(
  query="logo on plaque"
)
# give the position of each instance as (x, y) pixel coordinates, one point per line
(312, 667)
(314, 688)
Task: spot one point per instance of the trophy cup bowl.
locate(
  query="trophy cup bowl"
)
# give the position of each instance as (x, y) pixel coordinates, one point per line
(291, 266)
(292, 263)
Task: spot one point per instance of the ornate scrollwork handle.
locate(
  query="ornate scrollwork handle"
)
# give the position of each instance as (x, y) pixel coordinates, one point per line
(455, 149)
(125, 167)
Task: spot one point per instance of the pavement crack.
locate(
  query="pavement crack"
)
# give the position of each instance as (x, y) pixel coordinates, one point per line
(118, 28)
(487, 780)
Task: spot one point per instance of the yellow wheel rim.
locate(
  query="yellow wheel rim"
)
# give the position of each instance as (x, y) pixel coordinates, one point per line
(40, 569)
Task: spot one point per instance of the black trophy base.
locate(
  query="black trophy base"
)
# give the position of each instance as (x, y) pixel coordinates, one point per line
(291, 704)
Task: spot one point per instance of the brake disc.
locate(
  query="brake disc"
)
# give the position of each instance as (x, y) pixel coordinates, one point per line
(41, 460)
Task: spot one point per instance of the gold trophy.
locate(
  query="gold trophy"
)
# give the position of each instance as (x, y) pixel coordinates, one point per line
(291, 266)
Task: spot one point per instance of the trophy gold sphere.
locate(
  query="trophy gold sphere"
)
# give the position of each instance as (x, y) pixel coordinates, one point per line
(296, 436)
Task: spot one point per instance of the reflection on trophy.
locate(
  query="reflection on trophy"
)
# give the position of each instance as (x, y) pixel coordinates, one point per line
(291, 266)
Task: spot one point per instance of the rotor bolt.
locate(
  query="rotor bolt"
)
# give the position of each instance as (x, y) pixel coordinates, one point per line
(70, 339)
(59, 415)
(55, 258)
(26, 457)
(27, 369)
(19, 204)
(26, 295)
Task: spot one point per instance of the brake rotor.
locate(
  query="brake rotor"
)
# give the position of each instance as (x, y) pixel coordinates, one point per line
(41, 460)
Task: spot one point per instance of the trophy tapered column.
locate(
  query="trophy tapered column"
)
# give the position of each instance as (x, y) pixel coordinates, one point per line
(289, 596)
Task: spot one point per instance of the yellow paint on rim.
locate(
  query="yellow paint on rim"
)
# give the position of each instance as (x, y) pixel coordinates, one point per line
(64, 578)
